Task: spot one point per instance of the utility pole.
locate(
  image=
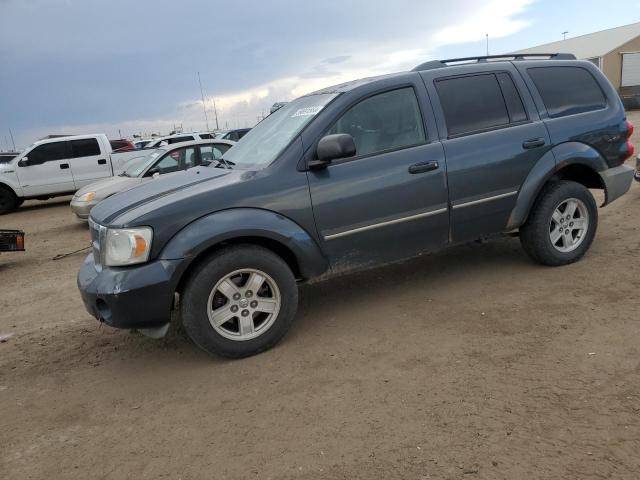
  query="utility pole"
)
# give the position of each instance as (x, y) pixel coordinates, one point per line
(487, 44)
(564, 35)
(215, 111)
(12, 141)
(204, 106)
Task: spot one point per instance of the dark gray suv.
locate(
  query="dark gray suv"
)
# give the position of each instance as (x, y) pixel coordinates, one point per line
(357, 175)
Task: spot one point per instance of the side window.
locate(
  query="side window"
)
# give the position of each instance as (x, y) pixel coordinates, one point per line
(515, 107)
(386, 121)
(206, 136)
(86, 147)
(48, 152)
(472, 103)
(214, 151)
(567, 90)
(176, 160)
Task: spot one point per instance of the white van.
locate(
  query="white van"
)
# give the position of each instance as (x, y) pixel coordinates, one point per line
(57, 166)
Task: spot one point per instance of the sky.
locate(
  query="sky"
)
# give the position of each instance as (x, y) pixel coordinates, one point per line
(131, 67)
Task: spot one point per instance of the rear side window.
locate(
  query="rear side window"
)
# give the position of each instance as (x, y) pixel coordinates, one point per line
(48, 152)
(387, 121)
(86, 147)
(567, 90)
(512, 98)
(472, 103)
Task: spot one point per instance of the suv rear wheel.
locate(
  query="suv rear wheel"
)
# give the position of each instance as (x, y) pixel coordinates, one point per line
(239, 301)
(562, 224)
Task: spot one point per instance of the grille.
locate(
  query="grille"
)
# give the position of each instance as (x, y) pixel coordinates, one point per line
(98, 233)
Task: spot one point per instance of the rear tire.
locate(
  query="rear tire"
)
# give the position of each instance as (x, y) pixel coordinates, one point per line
(239, 301)
(8, 200)
(561, 225)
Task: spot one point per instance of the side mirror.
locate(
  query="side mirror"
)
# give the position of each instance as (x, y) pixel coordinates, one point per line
(154, 172)
(205, 163)
(24, 162)
(333, 147)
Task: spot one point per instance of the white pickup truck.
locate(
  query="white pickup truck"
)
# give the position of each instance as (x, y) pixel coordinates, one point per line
(58, 166)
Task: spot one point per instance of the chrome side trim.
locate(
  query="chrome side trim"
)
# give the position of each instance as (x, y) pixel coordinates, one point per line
(387, 223)
(486, 199)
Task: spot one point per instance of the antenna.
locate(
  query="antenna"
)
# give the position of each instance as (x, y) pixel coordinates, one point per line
(204, 106)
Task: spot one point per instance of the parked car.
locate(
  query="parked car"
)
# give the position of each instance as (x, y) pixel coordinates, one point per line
(636, 174)
(140, 144)
(357, 175)
(122, 145)
(11, 241)
(58, 166)
(179, 138)
(168, 159)
(234, 135)
(6, 157)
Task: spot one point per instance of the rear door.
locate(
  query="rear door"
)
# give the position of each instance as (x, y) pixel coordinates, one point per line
(88, 161)
(48, 170)
(492, 137)
(389, 201)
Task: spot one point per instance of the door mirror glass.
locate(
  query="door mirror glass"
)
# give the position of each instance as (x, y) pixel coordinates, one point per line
(24, 162)
(336, 146)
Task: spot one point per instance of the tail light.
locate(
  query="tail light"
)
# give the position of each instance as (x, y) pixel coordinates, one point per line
(629, 129)
(629, 148)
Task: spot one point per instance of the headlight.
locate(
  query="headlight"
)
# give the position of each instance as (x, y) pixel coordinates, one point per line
(127, 246)
(87, 197)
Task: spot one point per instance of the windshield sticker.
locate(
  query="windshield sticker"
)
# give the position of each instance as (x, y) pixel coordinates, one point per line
(305, 112)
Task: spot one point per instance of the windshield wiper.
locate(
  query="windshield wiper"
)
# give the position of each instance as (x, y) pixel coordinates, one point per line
(227, 163)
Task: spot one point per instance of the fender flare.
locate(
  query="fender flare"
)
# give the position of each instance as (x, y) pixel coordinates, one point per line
(10, 188)
(225, 225)
(554, 160)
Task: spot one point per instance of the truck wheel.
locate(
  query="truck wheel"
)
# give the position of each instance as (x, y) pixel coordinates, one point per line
(8, 200)
(561, 225)
(239, 301)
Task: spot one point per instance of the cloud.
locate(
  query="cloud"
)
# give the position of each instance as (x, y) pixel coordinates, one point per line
(83, 65)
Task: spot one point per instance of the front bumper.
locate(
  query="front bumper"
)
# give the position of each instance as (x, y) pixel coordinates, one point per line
(617, 182)
(82, 209)
(138, 297)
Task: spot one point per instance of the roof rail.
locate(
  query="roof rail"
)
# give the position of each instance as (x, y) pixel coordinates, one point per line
(486, 59)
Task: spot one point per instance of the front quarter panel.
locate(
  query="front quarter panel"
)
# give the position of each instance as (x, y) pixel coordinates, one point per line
(234, 223)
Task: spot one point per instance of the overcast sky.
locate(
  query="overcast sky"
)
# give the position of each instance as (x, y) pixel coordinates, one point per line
(81, 66)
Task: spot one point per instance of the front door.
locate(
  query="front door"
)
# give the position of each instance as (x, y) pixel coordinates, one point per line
(48, 170)
(389, 201)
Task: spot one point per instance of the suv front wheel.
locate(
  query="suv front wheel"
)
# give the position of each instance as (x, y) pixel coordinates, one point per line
(562, 224)
(239, 301)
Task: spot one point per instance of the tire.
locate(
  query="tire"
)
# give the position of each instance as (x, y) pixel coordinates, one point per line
(8, 200)
(257, 320)
(541, 236)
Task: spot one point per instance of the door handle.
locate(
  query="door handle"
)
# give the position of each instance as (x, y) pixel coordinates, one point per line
(102, 161)
(64, 166)
(533, 143)
(422, 167)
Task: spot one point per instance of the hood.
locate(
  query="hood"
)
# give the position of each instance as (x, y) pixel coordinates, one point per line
(107, 187)
(127, 207)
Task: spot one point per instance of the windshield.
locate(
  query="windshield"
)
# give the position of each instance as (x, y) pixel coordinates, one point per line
(135, 167)
(265, 141)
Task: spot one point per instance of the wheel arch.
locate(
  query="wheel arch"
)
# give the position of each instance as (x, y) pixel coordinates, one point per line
(572, 161)
(264, 228)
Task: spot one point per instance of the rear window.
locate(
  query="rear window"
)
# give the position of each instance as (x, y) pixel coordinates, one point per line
(567, 90)
(472, 103)
(173, 140)
(87, 147)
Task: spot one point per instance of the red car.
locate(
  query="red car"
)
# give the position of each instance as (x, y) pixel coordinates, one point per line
(122, 145)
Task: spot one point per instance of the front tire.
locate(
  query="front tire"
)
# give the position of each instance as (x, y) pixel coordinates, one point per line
(561, 225)
(239, 301)
(8, 200)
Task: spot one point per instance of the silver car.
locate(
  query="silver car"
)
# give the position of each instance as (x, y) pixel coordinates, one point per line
(166, 159)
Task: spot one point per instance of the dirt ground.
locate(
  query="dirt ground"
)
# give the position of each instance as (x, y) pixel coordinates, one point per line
(473, 363)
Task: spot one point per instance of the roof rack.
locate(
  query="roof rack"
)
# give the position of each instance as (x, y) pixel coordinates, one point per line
(486, 59)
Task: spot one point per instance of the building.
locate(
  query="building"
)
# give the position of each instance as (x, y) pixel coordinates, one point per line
(615, 51)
